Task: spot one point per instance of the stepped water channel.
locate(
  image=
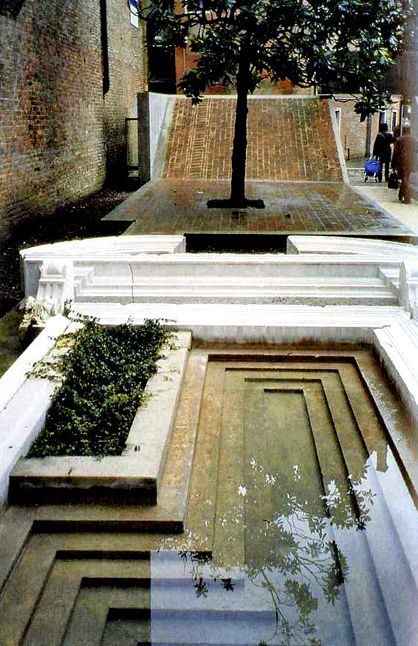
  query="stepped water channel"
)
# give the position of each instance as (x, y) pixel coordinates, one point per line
(301, 525)
(308, 542)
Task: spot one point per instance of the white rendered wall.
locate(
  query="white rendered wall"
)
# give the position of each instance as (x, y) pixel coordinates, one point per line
(157, 112)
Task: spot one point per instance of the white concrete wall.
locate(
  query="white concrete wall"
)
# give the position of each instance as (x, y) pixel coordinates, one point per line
(157, 112)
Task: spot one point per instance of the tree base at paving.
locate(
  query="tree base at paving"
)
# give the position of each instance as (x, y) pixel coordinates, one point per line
(232, 204)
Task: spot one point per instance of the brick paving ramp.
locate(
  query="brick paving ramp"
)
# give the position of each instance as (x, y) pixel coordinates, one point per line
(288, 139)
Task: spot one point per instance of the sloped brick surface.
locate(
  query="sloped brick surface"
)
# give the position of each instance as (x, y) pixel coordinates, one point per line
(288, 139)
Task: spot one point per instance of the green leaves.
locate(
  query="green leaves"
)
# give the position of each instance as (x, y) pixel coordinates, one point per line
(344, 45)
(105, 376)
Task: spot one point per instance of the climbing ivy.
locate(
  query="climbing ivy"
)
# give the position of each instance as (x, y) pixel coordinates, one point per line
(106, 371)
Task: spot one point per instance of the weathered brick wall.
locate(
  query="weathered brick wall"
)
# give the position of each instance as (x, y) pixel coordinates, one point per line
(127, 78)
(353, 132)
(288, 139)
(59, 136)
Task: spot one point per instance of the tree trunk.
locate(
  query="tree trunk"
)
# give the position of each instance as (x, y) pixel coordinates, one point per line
(239, 152)
(237, 199)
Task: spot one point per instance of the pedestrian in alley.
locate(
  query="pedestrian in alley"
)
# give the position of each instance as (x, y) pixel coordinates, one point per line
(382, 150)
(404, 162)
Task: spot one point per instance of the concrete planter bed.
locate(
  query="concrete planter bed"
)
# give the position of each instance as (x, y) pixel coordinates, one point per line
(131, 477)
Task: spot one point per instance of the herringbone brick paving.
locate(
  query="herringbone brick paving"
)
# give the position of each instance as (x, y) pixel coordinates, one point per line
(288, 139)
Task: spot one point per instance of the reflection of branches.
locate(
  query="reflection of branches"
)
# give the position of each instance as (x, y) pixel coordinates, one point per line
(298, 542)
(292, 557)
(292, 592)
(201, 587)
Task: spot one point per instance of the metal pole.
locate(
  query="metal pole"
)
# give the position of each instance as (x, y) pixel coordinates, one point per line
(368, 135)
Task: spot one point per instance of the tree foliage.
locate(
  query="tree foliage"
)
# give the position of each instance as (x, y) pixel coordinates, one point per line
(331, 44)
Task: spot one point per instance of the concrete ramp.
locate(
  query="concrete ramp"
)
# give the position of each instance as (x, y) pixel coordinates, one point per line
(289, 139)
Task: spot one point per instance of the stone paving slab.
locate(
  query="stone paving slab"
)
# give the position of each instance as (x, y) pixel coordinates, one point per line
(179, 206)
(388, 200)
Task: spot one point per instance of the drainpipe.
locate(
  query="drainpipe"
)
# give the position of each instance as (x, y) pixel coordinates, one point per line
(105, 46)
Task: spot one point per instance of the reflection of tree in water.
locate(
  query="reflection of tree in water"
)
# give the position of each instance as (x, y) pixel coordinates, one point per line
(292, 554)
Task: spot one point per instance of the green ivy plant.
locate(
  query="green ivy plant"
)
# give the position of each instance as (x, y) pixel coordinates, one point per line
(106, 372)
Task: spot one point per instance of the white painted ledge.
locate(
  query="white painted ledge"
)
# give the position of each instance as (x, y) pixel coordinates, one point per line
(14, 377)
(366, 247)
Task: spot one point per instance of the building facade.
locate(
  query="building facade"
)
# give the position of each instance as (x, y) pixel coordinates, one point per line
(69, 77)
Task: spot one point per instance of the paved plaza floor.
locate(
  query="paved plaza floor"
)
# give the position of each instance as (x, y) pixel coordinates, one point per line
(382, 195)
(180, 206)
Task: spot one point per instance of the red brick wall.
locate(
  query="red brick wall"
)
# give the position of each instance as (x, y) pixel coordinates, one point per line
(186, 60)
(288, 139)
(59, 137)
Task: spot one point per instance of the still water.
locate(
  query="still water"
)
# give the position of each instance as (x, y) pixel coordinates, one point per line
(312, 530)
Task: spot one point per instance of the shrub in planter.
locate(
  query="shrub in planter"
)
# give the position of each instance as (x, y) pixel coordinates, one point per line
(105, 371)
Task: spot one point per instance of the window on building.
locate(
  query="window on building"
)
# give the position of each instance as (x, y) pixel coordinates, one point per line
(338, 118)
(394, 119)
(133, 10)
(383, 117)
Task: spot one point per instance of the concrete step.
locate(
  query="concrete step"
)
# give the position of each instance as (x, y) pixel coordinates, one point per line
(236, 295)
(387, 561)
(391, 277)
(156, 282)
(231, 288)
(244, 266)
(211, 626)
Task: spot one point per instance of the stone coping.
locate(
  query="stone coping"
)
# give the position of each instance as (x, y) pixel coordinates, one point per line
(133, 477)
(24, 400)
(14, 377)
(107, 248)
(373, 248)
(110, 246)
